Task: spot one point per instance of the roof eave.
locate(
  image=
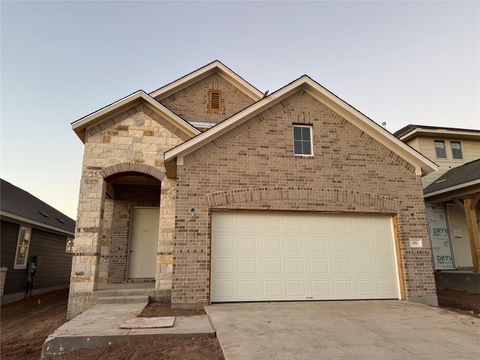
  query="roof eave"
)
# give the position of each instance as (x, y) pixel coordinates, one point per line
(80, 126)
(422, 164)
(205, 71)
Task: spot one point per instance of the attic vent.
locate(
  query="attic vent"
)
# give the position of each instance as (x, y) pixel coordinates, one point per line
(60, 220)
(43, 214)
(215, 101)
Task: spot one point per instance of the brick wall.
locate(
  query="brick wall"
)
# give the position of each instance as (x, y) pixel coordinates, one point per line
(191, 103)
(253, 167)
(126, 197)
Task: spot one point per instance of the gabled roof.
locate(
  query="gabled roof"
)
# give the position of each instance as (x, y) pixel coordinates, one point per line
(421, 163)
(214, 67)
(411, 131)
(128, 101)
(459, 177)
(22, 206)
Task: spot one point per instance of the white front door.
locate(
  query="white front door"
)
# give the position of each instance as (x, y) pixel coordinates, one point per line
(143, 243)
(299, 256)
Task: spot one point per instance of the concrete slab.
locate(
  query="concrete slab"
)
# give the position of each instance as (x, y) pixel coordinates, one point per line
(100, 326)
(197, 325)
(148, 323)
(344, 330)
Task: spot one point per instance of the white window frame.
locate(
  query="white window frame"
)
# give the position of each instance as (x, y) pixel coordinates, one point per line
(461, 149)
(311, 139)
(444, 148)
(24, 265)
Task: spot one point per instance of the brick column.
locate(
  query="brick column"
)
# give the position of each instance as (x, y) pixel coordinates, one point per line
(163, 278)
(87, 242)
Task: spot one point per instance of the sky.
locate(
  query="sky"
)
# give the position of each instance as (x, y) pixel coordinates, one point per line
(397, 62)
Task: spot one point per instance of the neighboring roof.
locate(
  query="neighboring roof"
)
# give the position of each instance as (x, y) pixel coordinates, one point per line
(412, 130)
(18, 204)
(326, 97)
(454, 179)
(128, 101)
(214, 67)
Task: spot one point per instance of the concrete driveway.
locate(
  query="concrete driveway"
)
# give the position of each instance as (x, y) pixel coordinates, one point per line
(344, 330)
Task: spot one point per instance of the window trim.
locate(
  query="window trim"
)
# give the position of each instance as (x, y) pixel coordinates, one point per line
(220, 101)
(24, 265)
(444, 148)
(311, 139)
(461, 149)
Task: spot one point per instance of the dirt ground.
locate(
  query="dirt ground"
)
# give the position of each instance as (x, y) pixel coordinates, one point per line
(175, 348)
(163, 309)
(459, 300)
(26, 324)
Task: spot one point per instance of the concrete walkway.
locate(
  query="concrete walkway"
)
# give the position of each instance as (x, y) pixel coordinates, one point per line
(344, 330)
(99, 326)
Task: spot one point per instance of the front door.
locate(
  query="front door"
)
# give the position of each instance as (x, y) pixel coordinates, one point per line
(143, 243)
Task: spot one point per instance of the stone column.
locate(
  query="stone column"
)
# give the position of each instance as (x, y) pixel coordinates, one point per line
(163, 278)
(86, 246)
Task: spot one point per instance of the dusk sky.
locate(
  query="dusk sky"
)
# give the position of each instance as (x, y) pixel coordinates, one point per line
(398, 62)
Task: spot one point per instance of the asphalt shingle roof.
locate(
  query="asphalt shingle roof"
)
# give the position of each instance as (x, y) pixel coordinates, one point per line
(20, 202)
(456, 176)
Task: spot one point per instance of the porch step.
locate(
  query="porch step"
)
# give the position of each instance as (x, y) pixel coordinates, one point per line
(139, 299)
(124, 292)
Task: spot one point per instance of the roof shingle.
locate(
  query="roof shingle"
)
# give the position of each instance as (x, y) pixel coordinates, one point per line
(21, 203)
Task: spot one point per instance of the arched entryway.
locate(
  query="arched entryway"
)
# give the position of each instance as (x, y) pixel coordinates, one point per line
(130, 230)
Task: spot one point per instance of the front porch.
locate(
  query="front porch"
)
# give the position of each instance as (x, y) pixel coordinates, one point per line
(454, 220)
(127, 256)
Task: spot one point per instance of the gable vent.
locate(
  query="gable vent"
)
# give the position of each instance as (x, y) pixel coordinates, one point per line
(215, 101)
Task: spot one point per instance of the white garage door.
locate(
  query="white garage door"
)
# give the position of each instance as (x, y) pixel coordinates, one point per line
(286, 256)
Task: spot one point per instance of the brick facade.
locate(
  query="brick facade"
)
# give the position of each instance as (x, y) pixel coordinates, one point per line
(191, 103)
(253, 167)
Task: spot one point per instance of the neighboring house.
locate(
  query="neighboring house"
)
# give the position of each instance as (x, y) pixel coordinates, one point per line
(451, 197)
(207, 190)
(32, 230)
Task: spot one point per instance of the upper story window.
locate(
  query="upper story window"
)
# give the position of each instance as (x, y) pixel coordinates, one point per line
(302, 140)
(23, 244)
(440, 149)
(215, 101)
(456, 150)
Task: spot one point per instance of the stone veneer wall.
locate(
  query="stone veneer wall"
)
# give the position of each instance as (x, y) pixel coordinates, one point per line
(253, 167)
(133, 140)
(191, 103)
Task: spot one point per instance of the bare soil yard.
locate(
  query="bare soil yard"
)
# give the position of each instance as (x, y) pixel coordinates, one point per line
(459, 300)
(175, 348)
(26, 324)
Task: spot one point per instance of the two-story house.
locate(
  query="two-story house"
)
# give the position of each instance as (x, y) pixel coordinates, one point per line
(451, 197)
(209, 190)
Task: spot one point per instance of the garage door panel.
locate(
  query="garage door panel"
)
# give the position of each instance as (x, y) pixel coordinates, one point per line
(247, 265)
(273, 289)
(270, 256)
(316, 243)
(293, 242)
(271, 242)
(272, 266)
(338, 242)
(294, 265)
(318, 265)
(247, 242)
